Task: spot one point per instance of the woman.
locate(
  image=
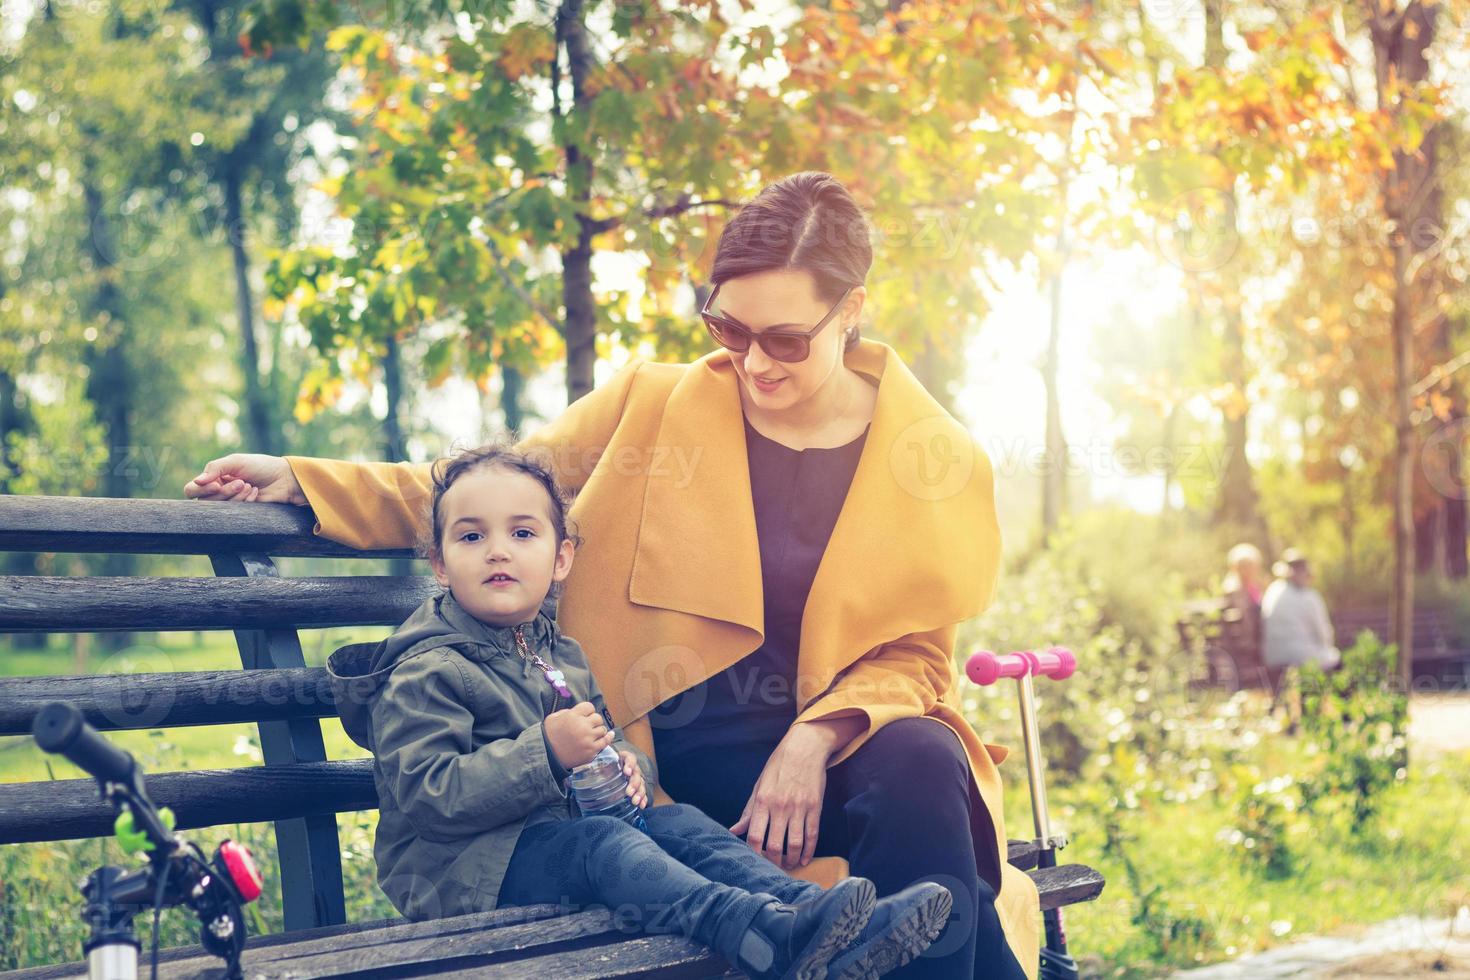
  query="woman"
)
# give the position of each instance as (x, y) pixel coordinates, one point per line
(780, 542)
(1243, 588)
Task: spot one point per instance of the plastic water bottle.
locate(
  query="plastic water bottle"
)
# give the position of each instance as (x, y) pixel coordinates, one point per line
(601, 789)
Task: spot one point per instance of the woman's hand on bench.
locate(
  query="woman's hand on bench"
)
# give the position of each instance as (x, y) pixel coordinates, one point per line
(247, 477)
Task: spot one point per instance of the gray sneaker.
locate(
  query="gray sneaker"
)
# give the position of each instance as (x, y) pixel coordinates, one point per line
(902, 926)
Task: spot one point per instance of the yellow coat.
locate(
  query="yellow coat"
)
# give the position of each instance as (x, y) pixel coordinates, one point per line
(666, 588)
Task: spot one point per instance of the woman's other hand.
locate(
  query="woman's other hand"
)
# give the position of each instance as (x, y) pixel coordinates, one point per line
(785, 809)
(247, 477)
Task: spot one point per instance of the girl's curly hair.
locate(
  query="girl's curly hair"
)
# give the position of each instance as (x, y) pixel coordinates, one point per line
(448, 469)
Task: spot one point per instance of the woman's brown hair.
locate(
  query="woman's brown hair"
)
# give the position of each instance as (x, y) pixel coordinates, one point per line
(805, 221)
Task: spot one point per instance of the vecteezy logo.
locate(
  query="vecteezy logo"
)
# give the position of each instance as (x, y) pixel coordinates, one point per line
(664, 682)
(1443, 458)
(1197, 232)
(931, 460)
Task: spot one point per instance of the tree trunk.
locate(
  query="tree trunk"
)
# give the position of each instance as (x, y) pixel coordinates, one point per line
(512, 385)
(13, 421)
(1403, 468)
(581, 315)
(258, 428)
(1400, 43)
(395, 444)
(1457, 515)
(576, 283)
(1238, 505)
(109, 378)
(1440, 490)
(10, 422)
(937, 373)
(1054, 477)
(1238, 499)
(1171, 427)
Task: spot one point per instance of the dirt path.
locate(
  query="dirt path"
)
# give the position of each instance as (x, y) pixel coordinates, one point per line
(1404, 947)
(1439, 723)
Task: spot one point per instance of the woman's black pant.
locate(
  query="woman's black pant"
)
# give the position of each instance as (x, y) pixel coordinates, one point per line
(898, 809)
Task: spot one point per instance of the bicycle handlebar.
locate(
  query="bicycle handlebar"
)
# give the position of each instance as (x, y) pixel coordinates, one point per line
(177, 872)
(60, 729)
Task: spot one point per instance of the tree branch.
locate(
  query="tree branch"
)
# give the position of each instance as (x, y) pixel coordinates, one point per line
(682, 205)
(1339, 34)
(520, 289)
(1439, 373)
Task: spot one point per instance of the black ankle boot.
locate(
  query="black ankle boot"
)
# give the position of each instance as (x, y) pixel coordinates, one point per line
(903, 925)
(794, 942)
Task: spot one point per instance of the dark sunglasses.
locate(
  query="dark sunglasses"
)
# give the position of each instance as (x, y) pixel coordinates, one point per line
(779, 345)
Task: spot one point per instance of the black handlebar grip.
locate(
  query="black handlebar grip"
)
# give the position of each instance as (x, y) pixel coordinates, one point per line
(60, 728)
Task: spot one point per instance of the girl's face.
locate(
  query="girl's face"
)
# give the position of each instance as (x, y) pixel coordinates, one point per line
(786, 299)
(499, 553)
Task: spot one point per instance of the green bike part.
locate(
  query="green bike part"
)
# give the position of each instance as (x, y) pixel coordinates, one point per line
(133, 840)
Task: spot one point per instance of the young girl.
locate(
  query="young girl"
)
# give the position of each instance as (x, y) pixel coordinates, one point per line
(478, 707)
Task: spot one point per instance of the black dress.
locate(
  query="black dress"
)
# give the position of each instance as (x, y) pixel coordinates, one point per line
(747, 708)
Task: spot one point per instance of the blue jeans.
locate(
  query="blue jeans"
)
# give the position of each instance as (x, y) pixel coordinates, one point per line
(687, 875)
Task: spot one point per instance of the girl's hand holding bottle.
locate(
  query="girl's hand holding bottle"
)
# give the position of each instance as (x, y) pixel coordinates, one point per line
(603, 781)
(637, 790)
(577, 734)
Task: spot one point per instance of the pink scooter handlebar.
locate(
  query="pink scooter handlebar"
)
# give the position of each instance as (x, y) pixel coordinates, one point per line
(985, 668)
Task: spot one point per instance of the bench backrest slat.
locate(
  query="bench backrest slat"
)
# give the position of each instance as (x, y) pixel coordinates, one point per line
(165, 527)
(45, 603)
(120, 702)
(68, 809)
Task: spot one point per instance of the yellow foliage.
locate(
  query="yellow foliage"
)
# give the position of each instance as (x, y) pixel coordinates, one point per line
(320, 390)
(525, 50)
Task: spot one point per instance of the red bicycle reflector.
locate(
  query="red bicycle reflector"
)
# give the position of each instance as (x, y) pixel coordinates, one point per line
(242, 869)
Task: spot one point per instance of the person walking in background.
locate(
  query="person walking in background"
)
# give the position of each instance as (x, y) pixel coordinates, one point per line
(1297, 628)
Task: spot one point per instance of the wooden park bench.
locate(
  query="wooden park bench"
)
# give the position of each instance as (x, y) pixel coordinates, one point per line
(1441, 658)
(298, 788)
(1225, 656)
(1225, 650)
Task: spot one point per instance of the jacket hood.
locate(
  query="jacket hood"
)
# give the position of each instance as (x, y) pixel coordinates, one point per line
(358, 671)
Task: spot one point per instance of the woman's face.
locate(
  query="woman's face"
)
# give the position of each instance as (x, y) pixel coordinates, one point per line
(788, 300)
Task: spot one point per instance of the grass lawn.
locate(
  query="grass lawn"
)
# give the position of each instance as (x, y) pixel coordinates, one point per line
(1198, 895)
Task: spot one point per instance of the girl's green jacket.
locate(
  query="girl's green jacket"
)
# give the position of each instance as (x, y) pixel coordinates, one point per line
(453, 717)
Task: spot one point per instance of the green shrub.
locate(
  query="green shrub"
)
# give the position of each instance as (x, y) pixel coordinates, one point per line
(1264, 823)
(1357, 717)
